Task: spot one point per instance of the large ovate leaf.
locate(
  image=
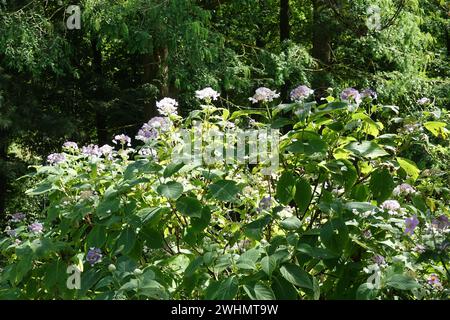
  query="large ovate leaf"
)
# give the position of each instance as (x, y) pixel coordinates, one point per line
(190, 207)
(296, 275)
(410, 167)
(334, 235)
(303, 194)
(170, 190)
(225, 289)
(224, 190)
(381, 185)
(286, 188)
(366, 149)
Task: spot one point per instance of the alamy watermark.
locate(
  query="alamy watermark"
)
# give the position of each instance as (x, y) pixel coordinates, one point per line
(373, 21)
(74, 279)
(74, 19)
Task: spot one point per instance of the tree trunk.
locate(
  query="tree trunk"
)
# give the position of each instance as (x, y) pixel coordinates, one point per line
(3, 171)
(321, 50)
(100, 112)
(284, 35)
(284, 20)
(156, 67)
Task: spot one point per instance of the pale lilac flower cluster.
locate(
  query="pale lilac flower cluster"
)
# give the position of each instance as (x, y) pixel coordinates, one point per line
(351, 95)
(265, 204)
(367, 234)
(91, 150)
(11, 232)
(411, 224)
(123, 139)
(107, 151)
(300, 93)
(369, 94)
(69, 145)
(36, 227)
(94, 256)
(264, 94)
(419, 248)
(207, 94)
(167, 106)
(441, 222)
(423, 101)
(147, 133)
(151, 129)
(404, 189)
(56, 158)
(391, 206)
(160, 123)
(379, 259)
(17, 217)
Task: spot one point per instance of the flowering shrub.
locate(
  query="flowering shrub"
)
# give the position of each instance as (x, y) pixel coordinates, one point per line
(348, 214)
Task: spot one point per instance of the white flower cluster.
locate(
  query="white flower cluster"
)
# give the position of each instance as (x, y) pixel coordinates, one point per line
(423, 101)
(167, 106)
(404, 189)
(264, 94)
(391, 206)
(300, 93)
(287, 212)
(207, 94)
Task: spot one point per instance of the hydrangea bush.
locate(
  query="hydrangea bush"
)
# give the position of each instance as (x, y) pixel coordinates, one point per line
(351, 213)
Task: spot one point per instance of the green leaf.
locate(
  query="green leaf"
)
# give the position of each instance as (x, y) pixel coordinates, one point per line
(154, 238)
(40, 189)
(139, 167)
(107, 207)
(311, 147)
(193, 266)
(297, 276)
(381, 184)
(303, 194)
(172, 168)
(334, 235)
(365, 292)
(286, 187)
(437, 128)
(343, 172)
(332, 107)
(241, 113)
(318, 253)
(150, 288)
(359, 206)
(248, 259)
(268, 264)
(151, 216)
(401, 282)
(126, 241)
(190, 207)
(254, 230)
(223, 290)
(224, 190)
(366, 149)
(170, 190)
(199, 224)
(97, 237)
(283, 289)
(259, 291)
(409, 167)
(291, 223)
